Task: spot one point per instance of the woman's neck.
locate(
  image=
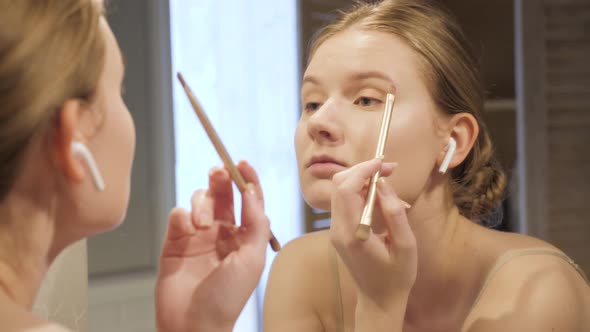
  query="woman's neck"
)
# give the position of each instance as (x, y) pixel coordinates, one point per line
(445, 255)
(26, 239)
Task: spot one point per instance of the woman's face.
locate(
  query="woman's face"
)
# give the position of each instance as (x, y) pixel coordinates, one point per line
(112, 142)
(343, 98)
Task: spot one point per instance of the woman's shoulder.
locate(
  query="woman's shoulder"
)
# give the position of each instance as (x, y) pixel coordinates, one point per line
(519, 257)
(493, 245)
(317, 242)
(47, 327)
(529, 279)
(298, 291)
(308, 254)
(502, 241)
(17, 320)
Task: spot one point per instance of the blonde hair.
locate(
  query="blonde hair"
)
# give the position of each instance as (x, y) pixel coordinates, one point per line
(452, 76)
(50, 51)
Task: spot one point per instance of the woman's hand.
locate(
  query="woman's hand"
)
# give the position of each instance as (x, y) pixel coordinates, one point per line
(209, 267)
(383, 267)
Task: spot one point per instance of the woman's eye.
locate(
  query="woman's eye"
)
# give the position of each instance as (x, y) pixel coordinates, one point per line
(367, 101)
(310, 107)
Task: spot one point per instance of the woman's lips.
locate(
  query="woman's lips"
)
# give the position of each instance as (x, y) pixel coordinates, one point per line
(325, 169)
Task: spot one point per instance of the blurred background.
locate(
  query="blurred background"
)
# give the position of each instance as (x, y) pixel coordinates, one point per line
(244, 60)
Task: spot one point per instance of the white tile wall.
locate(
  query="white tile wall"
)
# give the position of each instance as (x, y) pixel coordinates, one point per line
(124, 304)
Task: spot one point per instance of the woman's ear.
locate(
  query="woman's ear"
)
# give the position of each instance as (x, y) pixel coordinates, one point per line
(80, 150)
(64, 133)
(464, 130)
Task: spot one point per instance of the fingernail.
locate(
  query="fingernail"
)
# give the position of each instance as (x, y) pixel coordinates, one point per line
(383, 187)
(214, 170)
(204, 220)
(250, 189)
(406, 204)
(392, 164)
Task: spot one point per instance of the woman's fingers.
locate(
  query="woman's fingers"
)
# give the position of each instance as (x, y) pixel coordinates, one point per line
(401, 237)
(254, 223)
(202, 208)
(179, 224)
(250, 176)
(349, 194)
(354, 178)
(221, 191)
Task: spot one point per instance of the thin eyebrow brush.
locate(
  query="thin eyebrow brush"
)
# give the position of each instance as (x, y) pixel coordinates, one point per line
(235, 174)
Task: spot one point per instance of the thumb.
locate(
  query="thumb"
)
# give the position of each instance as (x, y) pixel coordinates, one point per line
(254, 223)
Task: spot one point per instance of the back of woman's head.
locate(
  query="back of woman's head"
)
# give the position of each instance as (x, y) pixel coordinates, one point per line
(50, 51)
(452, 77)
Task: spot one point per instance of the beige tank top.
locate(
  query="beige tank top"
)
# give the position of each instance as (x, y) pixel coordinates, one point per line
(501, 261)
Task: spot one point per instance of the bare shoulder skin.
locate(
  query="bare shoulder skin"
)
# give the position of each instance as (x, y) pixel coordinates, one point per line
(49, 327)
(300, 293)
(536, 292)
(16, 319)
(301, 290)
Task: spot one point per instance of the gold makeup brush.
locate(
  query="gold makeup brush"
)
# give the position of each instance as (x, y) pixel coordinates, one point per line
(364, 228)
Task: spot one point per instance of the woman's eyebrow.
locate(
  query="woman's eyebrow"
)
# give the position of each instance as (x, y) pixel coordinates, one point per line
(355, 77)
(364, 75)
(310, 79)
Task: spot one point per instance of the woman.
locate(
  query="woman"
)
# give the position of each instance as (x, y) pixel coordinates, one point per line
(66, 148)
(430, 266)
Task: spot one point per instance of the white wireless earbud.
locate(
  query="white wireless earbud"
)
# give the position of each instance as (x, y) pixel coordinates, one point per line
(448, 156)
(79, 149)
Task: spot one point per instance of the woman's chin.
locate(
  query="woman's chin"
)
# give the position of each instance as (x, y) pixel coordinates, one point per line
(319, 202)
(317, 193)
(110, 221)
